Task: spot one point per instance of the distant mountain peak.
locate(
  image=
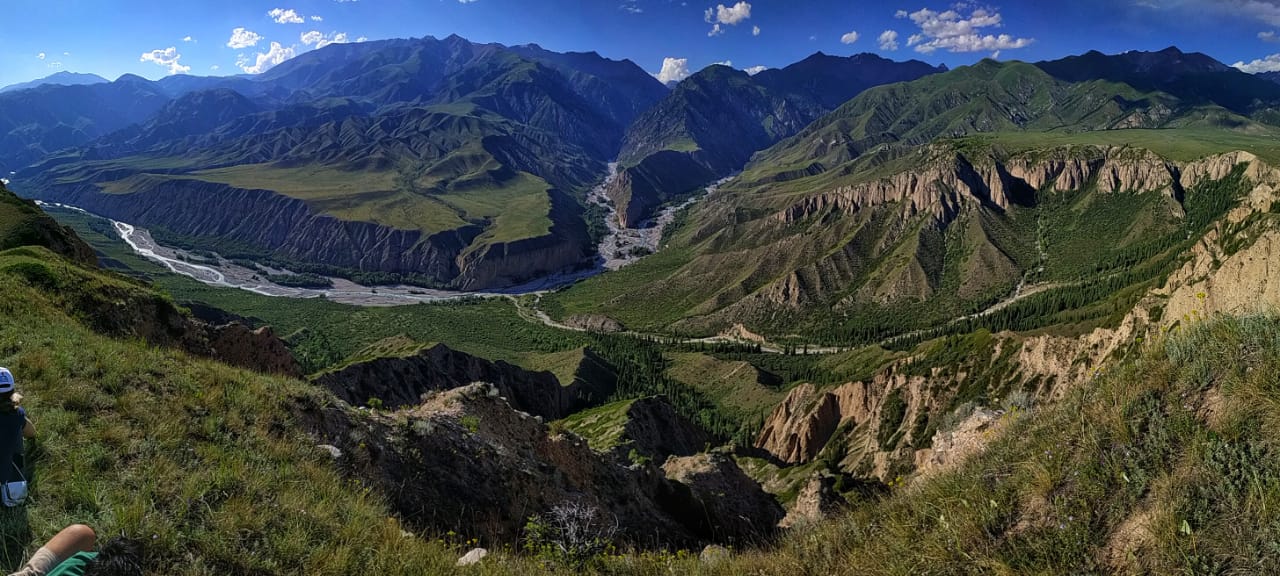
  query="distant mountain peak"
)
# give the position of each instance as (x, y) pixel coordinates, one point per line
(63, 78)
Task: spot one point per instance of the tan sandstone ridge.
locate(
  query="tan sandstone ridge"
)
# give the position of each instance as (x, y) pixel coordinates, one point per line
(1211, 282)
(950, 179)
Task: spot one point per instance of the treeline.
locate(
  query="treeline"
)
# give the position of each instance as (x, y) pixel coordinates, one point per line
(641, 368)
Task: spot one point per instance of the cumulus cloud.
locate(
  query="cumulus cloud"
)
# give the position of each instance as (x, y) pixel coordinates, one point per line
(188, 39)
(888, 40)
(673, 70)
(755, 30)
(263, 61)
(41, 56)
(317, 19)
(728, 63)
(320, 40)
(215, 67)
(727, 16)
(167, 57)
(283, 16)
(755, 70)
(242, 38)
(1268, 36)
(954, 31)
(1268, 64)
(849, 37)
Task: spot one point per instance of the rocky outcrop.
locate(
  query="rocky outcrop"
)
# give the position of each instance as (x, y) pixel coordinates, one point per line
(466, 461)
(720, 501)
(947, 179)
(288, 228)
(817, 500)
(951, 447)
(404, 381)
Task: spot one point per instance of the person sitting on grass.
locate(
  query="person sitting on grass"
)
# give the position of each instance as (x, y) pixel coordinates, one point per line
(70, 553)
(14, 427)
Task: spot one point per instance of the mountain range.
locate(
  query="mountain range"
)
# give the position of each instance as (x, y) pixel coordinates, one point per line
(1009, 317)
(449, 163)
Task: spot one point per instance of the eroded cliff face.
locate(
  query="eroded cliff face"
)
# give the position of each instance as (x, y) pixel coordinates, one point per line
(809, 419)
(289, 229)
(1233, 269)
(946, 180)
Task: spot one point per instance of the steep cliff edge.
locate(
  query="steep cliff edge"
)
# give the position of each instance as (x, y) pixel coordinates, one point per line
(288, 228)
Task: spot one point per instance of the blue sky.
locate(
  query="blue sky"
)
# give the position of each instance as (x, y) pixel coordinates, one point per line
(152, 39)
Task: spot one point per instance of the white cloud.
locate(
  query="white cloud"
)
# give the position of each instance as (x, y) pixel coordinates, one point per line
(319, 40)
(727, 15)
(755, 30)
(317, 18)
(283, 16)
(54, 65)
(728, 63)
(167, 57)
(241, 38)
(755, 70)
(954, 32)
(888, 40)
(264, 61)
(459, 1)
(215, 67)
(900, 14)
(40, 56)
(673, 70)
(630, 6)
(849, 38)
(1268, 36)
(1268, 64)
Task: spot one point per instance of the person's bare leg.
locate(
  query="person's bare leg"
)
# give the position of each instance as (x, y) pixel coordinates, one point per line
(72, 539)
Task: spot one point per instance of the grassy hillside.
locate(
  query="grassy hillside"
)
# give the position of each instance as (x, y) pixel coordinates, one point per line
(1164, 465)
(197, 459)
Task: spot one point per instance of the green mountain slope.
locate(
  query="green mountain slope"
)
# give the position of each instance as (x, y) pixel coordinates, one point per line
(712, 122)
(438, 162)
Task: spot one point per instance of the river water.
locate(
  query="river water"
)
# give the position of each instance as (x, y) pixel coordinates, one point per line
(620, 247)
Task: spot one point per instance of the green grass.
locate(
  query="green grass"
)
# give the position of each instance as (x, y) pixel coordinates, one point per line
(602, 426)
(1177, 144)
(198, 460)
(737, 387)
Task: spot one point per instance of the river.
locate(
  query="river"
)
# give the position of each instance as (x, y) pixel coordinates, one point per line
(620, 247)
